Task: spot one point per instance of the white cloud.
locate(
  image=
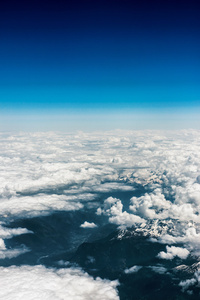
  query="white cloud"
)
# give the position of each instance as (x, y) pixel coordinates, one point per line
(10, 253)
(113, 208)
(188, 237)
(7, 233)
(133, 269)
(88, 225)
(173, 252)
(41, 204)
(38, 283)
(152, 205)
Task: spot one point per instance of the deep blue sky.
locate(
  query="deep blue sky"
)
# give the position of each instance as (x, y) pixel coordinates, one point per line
(91, 57)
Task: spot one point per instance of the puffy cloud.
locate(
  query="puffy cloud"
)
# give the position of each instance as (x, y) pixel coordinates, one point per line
(173, 252)
(113, 208)
(152, 205)
(187, 236)
(38, 282)
(133, 269)
(88, 225)
(155, 206)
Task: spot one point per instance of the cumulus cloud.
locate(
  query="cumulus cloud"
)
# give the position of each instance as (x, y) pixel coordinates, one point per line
(113, 208)
(88, 225)
(173, 252)
(155, 206)
(133, 269)
(187, 236)
(38, 282)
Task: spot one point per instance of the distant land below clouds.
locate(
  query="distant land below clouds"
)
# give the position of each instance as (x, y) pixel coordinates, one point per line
(89, 121)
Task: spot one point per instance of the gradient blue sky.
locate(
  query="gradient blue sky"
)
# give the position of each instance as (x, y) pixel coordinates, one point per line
(100, 64)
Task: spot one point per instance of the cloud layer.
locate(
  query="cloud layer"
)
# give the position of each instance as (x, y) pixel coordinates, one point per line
(42, 173)
(46, 172)
(39, 283)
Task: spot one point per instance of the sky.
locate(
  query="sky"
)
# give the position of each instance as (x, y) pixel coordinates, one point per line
(73, 65)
